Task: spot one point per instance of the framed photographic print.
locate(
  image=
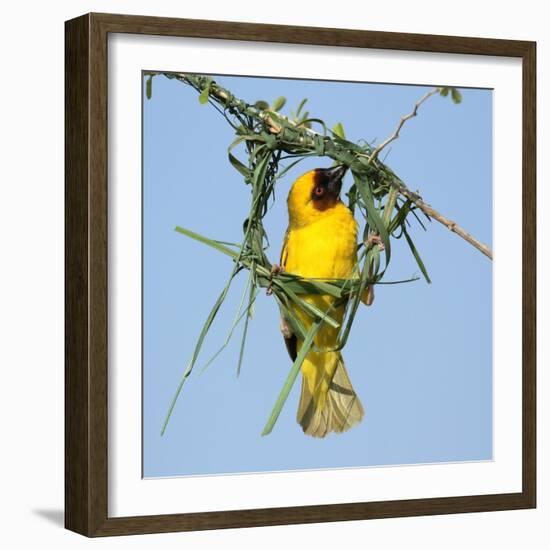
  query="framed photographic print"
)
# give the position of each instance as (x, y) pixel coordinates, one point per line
(300, 275)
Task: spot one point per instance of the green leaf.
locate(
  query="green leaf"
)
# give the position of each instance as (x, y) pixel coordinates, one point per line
(416, 256)
(282, 172)
(278, 104)
(241, 313)
(456, 95)
(291, 378)
(295, 324)
(352, 195)
(260, 170)
(399, 219)
(319, 143)
(210, 242)
(389, 206)
(261, 104)
(270, 141)
(357, 295)
(203, 97)
(306, 306)
(252, 298)
(419, 220)
(205, 92)
(444, 92)
(238, 165)
(196, 351)
(338, 130)
(307, 123)
(374, 217)
(312, 286)
(300, 107)
(149, 87)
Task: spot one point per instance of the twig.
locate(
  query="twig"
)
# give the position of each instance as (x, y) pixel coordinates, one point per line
(449, 224)
(416, 199)
(220, 93)
(402, 121)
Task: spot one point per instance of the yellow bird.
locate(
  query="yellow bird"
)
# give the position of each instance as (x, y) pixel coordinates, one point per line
(321, 242)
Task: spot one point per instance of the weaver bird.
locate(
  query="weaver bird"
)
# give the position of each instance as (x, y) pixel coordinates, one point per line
(321, 242)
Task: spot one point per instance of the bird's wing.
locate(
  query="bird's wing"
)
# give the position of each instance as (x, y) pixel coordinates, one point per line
(284, 250)
(289, 338)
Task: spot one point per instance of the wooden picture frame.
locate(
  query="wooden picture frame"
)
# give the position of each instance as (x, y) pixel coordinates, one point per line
(86, 283)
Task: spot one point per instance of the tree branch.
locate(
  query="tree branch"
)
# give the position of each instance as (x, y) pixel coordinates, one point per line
(340, 150)
(416, 199)
(402, 121)
(449, 224)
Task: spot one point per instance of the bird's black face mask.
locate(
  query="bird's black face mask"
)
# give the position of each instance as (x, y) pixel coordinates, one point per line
(327, 185)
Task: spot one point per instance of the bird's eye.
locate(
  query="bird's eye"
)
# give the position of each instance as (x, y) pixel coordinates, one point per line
(319, 191)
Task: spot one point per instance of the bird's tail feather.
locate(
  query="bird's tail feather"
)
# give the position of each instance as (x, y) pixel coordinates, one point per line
(336, 409)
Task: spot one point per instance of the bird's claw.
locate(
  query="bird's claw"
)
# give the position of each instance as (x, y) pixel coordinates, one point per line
(374, 239)
(275, 270)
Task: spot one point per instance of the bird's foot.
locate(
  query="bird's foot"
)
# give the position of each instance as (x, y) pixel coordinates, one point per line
(374, 239)
(275, 270)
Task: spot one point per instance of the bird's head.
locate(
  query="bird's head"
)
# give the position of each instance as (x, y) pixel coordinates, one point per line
(314, 194)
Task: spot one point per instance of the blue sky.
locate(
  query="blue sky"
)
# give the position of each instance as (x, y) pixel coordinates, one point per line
(420, 358)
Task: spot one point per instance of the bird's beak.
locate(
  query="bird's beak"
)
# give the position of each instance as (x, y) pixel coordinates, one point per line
(334, 176)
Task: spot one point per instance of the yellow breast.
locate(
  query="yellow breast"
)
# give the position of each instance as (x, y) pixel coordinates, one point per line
(326, 248)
